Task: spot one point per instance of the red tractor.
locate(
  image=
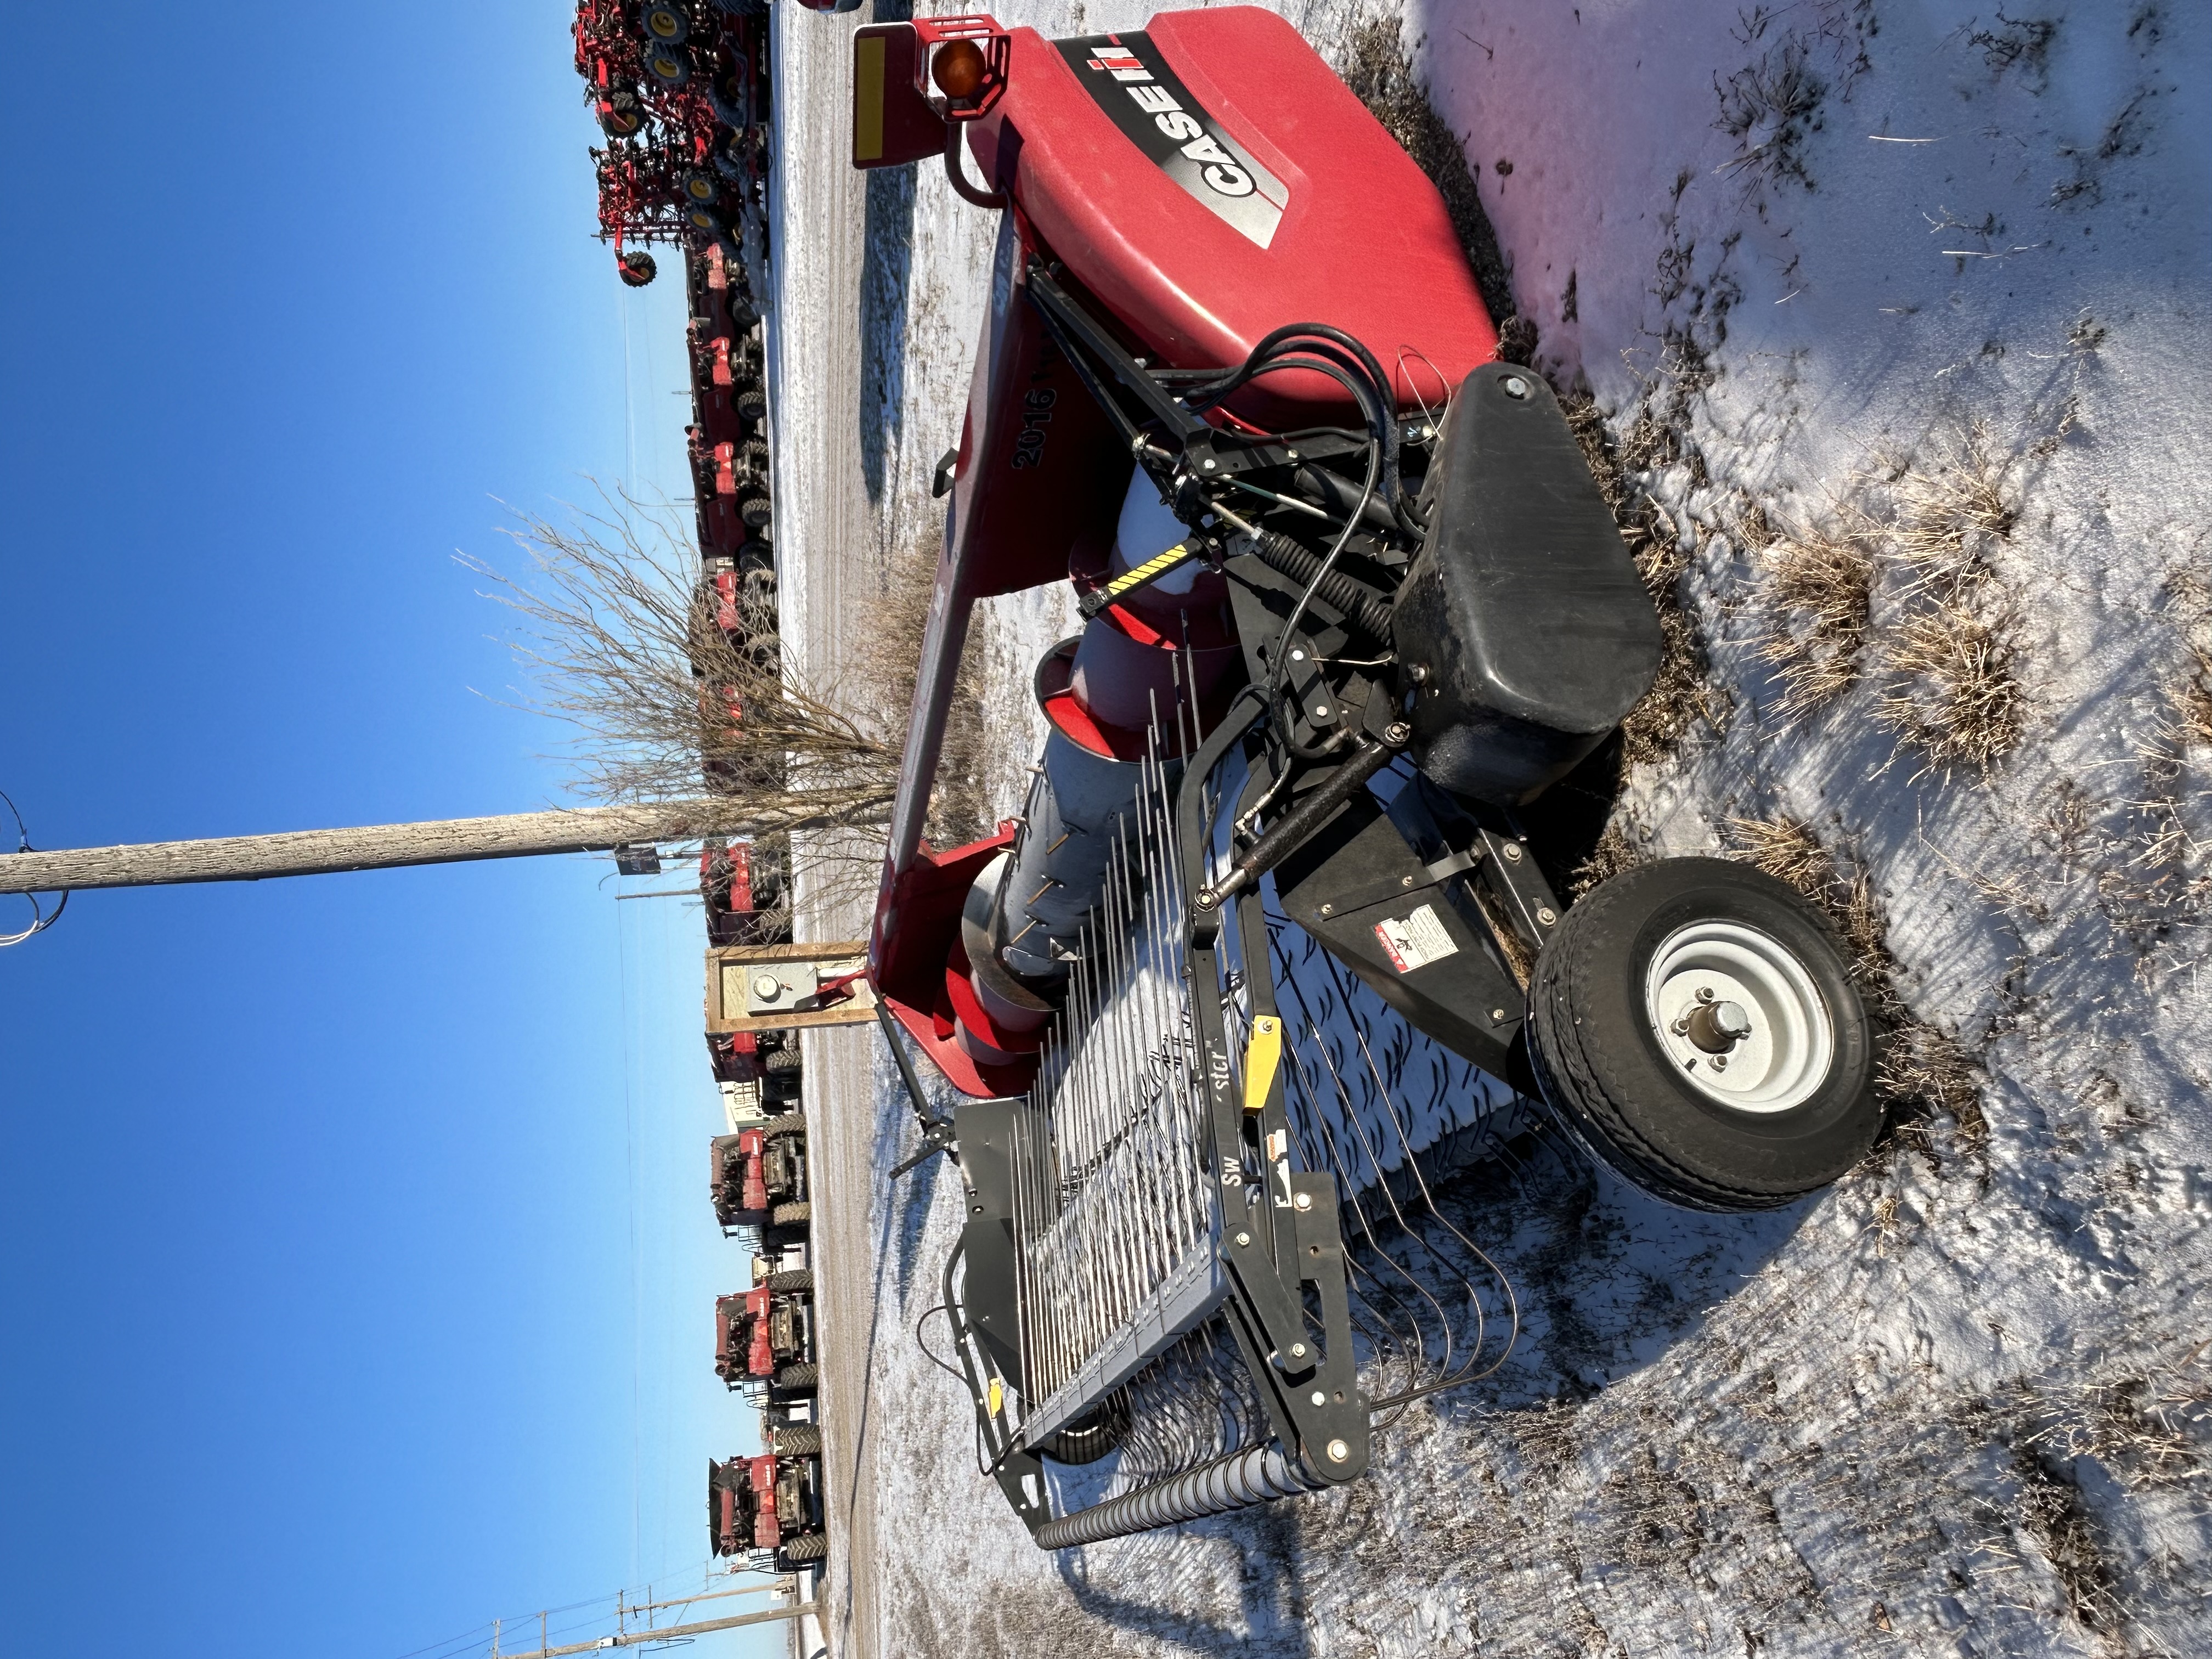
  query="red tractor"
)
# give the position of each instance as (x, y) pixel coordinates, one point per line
(759, 1177)
(770, 1505)
(764, 1337)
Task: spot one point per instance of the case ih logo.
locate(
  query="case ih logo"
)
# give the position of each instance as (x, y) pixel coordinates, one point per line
(1127, 79)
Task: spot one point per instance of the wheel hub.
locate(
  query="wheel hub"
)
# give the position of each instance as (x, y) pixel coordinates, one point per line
(1736, 1009)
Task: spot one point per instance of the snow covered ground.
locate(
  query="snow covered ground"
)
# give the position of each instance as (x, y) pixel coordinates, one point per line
(1897, 316)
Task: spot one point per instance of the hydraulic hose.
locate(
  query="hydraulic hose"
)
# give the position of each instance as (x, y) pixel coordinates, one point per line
(1359, 607)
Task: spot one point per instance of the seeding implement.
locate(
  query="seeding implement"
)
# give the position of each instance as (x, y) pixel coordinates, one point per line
(1280, 928)
(680, 89)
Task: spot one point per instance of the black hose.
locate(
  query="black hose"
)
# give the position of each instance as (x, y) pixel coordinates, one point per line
(1359, 607)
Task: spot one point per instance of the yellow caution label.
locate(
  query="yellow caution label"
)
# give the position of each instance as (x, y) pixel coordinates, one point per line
(998, 1395)
(867, 98)
(1262, 1055)
(1144, 573)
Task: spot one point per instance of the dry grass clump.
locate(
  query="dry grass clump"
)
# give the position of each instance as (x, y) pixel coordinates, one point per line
(1822, 583)
(1953, 691)
(1954, 695)
(1905, 592)
(2191, 702)
(1922, 1070)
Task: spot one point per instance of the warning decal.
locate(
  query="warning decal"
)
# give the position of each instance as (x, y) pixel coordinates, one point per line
(1417, 941)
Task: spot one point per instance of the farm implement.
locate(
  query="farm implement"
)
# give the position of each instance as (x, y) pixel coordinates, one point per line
(1283, 924)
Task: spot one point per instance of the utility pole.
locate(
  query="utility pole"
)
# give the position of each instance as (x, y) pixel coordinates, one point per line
(449, 841)
(639, 1637)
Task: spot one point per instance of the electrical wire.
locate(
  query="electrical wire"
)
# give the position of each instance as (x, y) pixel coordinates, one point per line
(41, 919)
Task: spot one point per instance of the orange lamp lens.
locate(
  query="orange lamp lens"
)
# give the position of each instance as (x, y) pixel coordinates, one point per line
(958, 69)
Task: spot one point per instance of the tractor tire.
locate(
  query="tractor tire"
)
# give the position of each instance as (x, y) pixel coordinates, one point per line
(791, 1279)
(791, 1123)
(1694, 1023)
(637, 268)
(663, 22)
(806, 1548)
(703, 217)
(750, 403)
(668, 66)
(795, 1377)
(701, 189)
(755, 512)
(798, 1440)
(621, 115)
(791, 1215)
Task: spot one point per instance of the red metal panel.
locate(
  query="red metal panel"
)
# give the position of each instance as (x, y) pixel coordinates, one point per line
(1041, 473)
(1364, 242)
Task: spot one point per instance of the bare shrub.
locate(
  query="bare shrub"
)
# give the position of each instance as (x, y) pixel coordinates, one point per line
(623, 643)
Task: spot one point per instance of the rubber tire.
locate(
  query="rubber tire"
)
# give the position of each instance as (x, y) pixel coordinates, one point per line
(1600, 1067)
(678, 61)
(791, 1215)
(693, 182)
(637, 269)
(750, 403)
(798, 1440)
(791, 1123)
(791, 1279)
(806, 1549)
(798, 1376)
(755, 512)
(670, 17)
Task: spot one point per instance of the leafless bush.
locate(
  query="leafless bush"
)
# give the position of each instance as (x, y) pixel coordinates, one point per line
(620, 641)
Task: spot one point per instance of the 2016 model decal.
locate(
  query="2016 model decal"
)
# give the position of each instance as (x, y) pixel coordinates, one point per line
(1141, 95)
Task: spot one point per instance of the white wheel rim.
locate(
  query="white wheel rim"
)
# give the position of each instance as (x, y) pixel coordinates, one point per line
(1792, 1045)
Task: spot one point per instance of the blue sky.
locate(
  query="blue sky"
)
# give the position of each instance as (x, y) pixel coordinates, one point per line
(355, 1255)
